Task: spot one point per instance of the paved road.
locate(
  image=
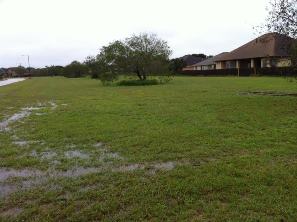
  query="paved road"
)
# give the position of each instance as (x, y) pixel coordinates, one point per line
(10, 81)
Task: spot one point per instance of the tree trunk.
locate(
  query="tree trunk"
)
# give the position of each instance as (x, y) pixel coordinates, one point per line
(138, 74)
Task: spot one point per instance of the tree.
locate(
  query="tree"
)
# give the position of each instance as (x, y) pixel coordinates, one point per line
(54, 70)
(75, 70)
(20, 70)
(177, 65)
(282, 18)
(94, 66)
(201, 55)
(143, 55)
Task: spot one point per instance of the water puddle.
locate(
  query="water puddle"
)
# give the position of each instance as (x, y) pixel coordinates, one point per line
(76, 154)
(267, 93)
(20, 143)
(14, 118)
(6, 189)
(12, 173)
(48, 155)
(25, 112)
(33, 178)
(12, 212)
(53, 105)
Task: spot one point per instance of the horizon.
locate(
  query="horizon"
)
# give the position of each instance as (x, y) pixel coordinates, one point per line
(59, 32)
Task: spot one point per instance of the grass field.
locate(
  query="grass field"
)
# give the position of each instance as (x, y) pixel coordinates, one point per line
(196, 149)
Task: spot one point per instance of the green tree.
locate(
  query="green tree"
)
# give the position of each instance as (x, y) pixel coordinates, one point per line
(143, 55)
(20, 70)
(54, 70)
(76, 70)
(176, 65)
(94, 67)
(282, 18)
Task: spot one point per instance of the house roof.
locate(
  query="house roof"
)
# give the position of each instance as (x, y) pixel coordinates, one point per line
(191, 60)
(210, 61)
(268, 45)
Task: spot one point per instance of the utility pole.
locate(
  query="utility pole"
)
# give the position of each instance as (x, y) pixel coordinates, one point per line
(28, 59)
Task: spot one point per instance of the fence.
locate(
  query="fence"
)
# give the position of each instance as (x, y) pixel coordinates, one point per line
(286, 71)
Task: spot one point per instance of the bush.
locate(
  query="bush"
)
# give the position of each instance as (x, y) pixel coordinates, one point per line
(108, 78)
(148, 82)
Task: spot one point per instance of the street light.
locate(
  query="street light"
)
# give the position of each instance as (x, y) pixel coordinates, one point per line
(28, 57)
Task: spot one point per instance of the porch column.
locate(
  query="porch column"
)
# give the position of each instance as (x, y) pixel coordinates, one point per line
(252, 63)
(253, 66)
(238, 67)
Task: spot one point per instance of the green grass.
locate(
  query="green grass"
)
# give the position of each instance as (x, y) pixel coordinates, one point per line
(235, 154)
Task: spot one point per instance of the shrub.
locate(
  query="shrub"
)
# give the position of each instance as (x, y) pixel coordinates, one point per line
(107, 78)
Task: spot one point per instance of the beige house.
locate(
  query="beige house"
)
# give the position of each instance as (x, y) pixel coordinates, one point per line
(269, 50)
(207, 64)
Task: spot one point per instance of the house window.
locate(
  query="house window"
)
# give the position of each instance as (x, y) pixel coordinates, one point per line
(266, 63)
(273, 62)
(230, 64)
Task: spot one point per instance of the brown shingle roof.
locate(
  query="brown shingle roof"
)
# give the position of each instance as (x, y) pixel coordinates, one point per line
(268, 45)
(210, 61)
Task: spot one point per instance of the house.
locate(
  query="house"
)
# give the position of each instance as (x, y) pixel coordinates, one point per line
(207, 64)
(2, 73)
(269, 50)
(191, 60)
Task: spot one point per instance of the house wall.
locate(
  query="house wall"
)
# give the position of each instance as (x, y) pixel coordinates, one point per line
(188, 68)
(209, 67)
(284, 62)
(220, 65)
(265, 63)
(232, 65)
(275, 62)
(197, 68)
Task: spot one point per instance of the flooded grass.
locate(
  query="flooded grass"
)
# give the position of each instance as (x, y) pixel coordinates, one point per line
(72, 150)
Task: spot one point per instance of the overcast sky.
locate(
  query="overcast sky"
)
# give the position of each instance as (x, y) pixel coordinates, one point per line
(56, 32)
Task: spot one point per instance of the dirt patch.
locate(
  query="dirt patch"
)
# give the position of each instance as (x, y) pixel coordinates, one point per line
(267, 93)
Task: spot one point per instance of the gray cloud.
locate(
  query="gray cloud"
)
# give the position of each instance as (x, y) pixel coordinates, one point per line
(59, 31)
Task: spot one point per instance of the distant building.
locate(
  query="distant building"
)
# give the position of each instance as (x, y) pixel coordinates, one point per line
(191, 59)
(2, 73)
(207, 64)
(267, 51)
